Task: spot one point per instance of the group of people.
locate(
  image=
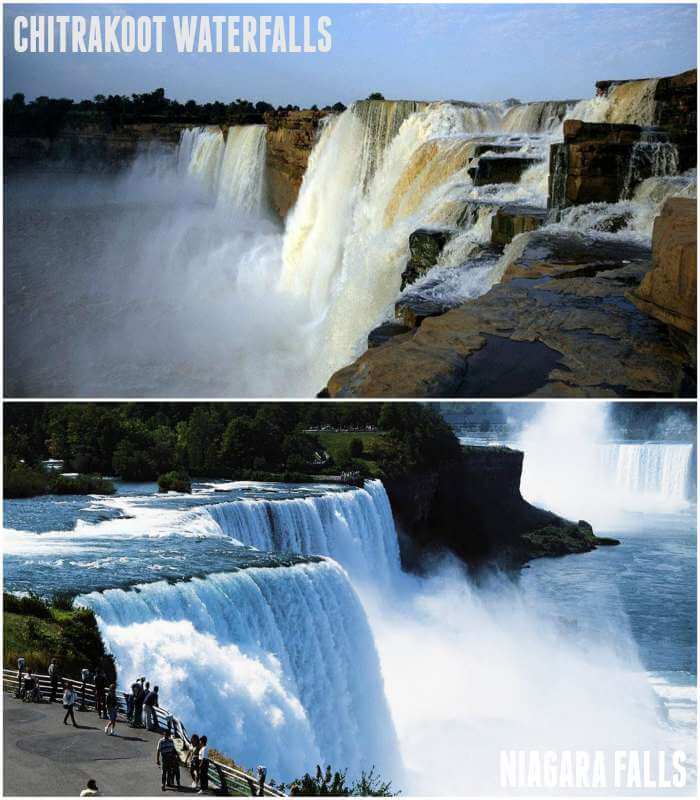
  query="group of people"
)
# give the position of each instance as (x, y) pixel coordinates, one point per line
(141, 705)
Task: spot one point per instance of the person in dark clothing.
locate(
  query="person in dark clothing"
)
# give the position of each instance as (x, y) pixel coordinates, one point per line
(100, 686)
(20, 677)
(150, 704)
(167, 759)
(139, 697)
(54, 675)
(85, 675)
(111, 703)
(262, 774)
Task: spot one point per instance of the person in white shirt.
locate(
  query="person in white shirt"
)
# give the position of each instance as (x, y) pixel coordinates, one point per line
(69, 699)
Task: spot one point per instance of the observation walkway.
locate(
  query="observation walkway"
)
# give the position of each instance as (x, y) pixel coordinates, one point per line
(44, 757)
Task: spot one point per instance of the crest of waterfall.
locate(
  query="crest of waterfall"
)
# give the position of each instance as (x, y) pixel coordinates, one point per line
(535, 117)
(200, 153)
(356, 528)
(632, 103)
(241, 183)
(381, 121)
(230, 169)
(277, 666)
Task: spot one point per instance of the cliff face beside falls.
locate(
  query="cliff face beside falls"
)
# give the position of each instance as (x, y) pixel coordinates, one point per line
(290, 139)
(473, 508)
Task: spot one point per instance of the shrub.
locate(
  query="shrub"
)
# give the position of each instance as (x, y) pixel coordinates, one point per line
(29, 605)
(357, 448)
(80, 484)
(175, 481)
(21, 480)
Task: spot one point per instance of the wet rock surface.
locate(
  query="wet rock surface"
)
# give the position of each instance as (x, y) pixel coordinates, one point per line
(425, 246)
(500, 169)
(563, 293)
(510, 220)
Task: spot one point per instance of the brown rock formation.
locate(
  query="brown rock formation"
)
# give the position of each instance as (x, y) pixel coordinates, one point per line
(669, 291)
(558, 325)
(290, 139)
(591, 164)
(511, 220)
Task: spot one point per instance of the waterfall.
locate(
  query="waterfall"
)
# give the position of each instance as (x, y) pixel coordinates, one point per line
(651, 472)
(535, 117)
(276, 666)
(650, 158)
(367, 186)
(356, 528)
(200, 154)
(632, 103)
(241, 183)
(231, 170)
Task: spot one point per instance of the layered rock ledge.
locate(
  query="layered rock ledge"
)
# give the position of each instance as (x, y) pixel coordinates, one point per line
(558, 325)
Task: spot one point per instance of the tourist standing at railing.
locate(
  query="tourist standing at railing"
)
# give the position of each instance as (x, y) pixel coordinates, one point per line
(100, 686)
(69, 699)
(85, 676)
(55, 675)
(20, 676)
(150, 704)
(262, 774)
(193, 759)
(203, 765)
(139, 697)
(111, 703)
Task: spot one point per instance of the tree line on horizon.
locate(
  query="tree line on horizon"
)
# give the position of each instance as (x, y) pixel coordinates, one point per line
(142, 441)
(45, 116)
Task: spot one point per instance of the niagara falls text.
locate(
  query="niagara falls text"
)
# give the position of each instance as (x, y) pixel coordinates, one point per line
(193, 34)
(581, 769)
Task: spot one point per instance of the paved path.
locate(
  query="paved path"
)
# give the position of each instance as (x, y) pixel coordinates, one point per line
(44, 757)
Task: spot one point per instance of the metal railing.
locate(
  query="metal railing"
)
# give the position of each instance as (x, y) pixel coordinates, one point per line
(223, 777)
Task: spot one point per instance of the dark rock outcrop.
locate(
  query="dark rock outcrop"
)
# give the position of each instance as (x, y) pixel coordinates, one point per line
(669, 291)
(511, 220)
(558, 325)
(382, 333)
(290, 138)
(474, 508)
(412, 309)
(499, 169)
(425, 246)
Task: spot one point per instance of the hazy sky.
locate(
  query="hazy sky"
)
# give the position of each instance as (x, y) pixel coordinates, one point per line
(467, 52)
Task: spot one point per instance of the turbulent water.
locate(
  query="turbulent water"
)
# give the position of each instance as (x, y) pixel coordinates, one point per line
(176, 279)
(291, 660)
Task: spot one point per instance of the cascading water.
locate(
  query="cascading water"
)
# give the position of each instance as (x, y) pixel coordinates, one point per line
(355, 528)
(278, 665)
(577, 471)
(230, 169)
